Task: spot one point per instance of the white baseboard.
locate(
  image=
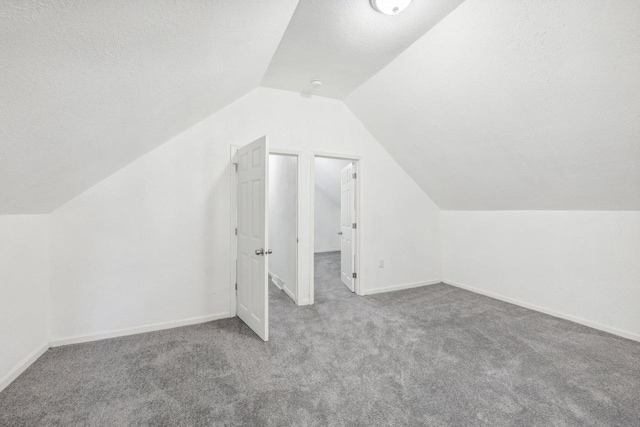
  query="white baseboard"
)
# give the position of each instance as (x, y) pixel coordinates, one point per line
(23, 365)
(401, 286)
(137, 330)
(595, 325)
(326, 251)
(288, 292)
(304, 302)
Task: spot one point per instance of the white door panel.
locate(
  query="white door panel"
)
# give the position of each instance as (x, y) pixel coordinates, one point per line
(347, 220)
(252, 217)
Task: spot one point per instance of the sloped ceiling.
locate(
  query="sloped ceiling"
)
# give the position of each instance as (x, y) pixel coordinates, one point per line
(517, 105)
(345, 42)
(87, 86)
(327, 177)
(501, 105)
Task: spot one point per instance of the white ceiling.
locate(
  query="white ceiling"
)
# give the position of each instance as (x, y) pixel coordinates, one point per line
(345, 42)
(328, 176)
(502, 105)
(517, 105)
(87, 87)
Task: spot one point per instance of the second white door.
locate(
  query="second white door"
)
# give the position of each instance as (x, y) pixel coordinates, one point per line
(347, 226)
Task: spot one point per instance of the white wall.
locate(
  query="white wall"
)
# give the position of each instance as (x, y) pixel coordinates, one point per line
(283, 220)
(24, 277)
(584, 266)
(150, 244)
(327, 203)
(326, 223)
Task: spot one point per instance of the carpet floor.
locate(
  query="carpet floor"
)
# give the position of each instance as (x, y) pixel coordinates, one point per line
(436, 355)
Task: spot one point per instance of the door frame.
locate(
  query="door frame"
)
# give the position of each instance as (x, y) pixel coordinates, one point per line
(358, 285)
(233, 214)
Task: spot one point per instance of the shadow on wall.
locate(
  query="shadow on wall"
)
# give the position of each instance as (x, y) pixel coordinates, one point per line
(283, 221)
(327, 203)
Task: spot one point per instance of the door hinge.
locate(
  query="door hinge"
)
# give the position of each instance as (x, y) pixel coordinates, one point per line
(236, 287)
(236, 231)
(355, 175)
(354, 225)
(355, 275)
(235, 166)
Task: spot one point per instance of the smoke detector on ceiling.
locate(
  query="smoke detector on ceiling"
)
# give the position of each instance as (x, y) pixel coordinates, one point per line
(390, 7)
(316, 83)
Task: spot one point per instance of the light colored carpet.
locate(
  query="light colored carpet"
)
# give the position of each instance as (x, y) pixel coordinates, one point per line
(435, 355)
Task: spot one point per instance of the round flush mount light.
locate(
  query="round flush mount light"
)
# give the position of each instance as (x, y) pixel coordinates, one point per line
(316, 83)
(390, 7)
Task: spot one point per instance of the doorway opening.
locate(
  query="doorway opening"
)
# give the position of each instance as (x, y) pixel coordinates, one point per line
(335, 231)
(283, 225)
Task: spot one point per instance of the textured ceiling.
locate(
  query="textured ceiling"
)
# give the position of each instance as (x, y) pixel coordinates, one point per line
(517, 105)
(502, 105)
(87, 87)
(345, 42)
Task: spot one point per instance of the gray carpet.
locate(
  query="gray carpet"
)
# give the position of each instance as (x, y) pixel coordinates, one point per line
(435, 355)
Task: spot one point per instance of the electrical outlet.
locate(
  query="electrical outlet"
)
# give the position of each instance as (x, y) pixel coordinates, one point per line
(381, 263)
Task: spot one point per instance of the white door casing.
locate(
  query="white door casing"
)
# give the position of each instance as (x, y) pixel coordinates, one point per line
(252, 241)
(347, 229)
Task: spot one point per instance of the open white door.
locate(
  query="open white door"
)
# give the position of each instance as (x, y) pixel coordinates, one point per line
(252, 265)
(347, 226)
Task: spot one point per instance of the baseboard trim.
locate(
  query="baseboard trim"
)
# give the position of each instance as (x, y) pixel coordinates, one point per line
(401, 287)
(326, 251)
(304, 302)
(23, 365)
(288, 292)
(137, 330)
(595, 325)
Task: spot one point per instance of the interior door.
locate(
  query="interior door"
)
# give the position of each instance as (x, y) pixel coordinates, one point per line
(252, 219)
(347, 226)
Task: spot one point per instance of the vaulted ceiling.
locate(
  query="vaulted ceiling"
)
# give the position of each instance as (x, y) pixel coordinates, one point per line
(344, 43)
(89, 86)
(517, 105)
(488, 104)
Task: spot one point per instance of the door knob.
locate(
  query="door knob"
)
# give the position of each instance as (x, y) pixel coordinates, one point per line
(339, 233)
(260, 251)
(269, 251)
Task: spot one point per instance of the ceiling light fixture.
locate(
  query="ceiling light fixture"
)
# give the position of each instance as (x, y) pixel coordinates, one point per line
(390, 7)
(316, 83)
